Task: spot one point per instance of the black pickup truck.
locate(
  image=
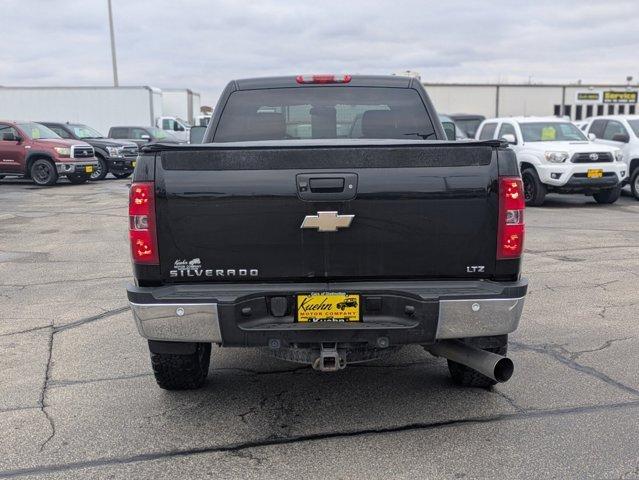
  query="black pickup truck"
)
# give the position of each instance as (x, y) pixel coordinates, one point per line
(327, 220)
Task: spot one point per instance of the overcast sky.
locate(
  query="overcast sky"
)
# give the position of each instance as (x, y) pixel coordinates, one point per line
(201, 44)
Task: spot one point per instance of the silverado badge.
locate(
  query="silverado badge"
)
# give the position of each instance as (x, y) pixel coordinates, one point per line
(327, 221)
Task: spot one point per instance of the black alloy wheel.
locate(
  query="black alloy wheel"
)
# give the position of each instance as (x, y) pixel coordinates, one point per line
(43, 172)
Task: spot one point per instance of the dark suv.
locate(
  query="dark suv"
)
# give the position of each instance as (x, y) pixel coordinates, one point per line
(115, 156)
(143, 135)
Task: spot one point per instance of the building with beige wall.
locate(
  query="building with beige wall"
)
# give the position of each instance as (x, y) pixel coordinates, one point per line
(493, 100)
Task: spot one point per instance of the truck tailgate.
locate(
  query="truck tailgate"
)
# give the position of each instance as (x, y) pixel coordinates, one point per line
(234, 213)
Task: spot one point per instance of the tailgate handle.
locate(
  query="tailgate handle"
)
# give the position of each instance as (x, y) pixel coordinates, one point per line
(326, 185)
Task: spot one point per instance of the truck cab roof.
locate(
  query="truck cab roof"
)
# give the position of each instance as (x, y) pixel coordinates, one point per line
(355, 81)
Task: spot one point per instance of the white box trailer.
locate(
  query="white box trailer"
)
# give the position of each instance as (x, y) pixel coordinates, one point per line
(98, 107)
(181, 103)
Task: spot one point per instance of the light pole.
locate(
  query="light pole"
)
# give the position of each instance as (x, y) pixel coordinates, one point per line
(113, 60)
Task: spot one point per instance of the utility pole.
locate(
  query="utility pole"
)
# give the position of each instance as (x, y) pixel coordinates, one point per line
(113, 60)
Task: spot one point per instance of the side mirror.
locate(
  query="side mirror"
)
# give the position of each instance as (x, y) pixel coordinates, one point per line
(621, 137)
(450, 130)
(510, 138)
(145, 137)
(196, 134)
(177, 127)
(592, 137)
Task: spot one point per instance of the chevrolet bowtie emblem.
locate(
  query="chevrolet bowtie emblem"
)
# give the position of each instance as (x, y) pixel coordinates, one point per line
(327, 221)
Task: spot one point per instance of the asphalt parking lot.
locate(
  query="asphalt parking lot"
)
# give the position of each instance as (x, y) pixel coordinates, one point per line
(77, 398)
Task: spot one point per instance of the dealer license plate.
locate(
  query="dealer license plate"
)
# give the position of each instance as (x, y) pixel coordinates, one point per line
(88, 169)
(328, 307)
(595, 173)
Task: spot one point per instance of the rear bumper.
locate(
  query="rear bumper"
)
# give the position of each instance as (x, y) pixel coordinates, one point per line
(400, 312)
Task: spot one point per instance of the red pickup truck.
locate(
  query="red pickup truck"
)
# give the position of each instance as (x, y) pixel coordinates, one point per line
(31, 150)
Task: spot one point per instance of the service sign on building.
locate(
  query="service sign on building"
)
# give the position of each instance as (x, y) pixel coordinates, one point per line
(624, 96)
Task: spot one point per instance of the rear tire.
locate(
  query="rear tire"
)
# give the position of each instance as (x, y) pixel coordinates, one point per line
(43, 172)
(634, 183)
(182, 371)
(100, 171)
(121, 174)
(466, 376)
(607, 196)
(534, 190)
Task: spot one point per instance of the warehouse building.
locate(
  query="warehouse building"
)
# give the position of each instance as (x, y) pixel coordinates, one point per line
(98, 107)
(502, 100)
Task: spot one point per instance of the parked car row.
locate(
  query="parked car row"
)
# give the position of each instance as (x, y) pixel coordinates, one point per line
(554, 155)
(46, 151)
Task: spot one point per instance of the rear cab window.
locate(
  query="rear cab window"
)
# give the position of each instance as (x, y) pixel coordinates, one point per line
(488, 131)
(324, 112)
(119, 132)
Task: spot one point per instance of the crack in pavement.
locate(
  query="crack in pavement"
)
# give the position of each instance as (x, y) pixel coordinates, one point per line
(56, 282)
(557, 352)
(42, 401)
(19, 409)
(604, 284)
(606, 344)
(241, 447)
(28, 213)
(70, 325)
(29, 330)
(46, 383)
(71, 383)
(246, 371)
(93, 318)
(582, 286)
(557, 256)
(511, 401)
(581, 249)
(250, 371)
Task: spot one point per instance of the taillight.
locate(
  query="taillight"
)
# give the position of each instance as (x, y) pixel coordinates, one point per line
(323, 78)
(144, 245)
(510, 233)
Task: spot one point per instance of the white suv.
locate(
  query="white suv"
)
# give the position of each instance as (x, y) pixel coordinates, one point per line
(621, 131)
(555, 156)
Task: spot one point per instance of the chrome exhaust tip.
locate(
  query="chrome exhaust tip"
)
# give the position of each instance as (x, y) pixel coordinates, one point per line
(492, 365)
